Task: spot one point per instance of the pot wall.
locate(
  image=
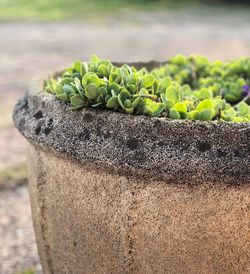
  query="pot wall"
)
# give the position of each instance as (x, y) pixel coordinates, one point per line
(116, 193)
(91, 221)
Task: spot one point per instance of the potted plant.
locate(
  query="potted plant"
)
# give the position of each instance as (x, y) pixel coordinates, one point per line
(140, 168)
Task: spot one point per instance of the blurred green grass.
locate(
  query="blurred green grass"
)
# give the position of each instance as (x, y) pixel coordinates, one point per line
(13, 176)
(27, 271)
(70, 9)
(51, 10)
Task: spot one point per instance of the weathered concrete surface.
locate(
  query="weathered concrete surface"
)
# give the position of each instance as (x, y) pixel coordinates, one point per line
(91, 221)
(114, 193)
(172, 150)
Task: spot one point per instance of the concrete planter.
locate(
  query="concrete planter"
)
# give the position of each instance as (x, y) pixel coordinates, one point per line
(115, 193)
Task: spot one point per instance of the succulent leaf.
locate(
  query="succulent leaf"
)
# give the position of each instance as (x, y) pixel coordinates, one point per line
(91, 91)
(147, 80)
(171, 94)
(174, 114)
(112, 102)
(77, 101)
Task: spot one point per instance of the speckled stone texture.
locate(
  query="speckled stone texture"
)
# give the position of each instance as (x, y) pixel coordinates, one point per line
(115, 193)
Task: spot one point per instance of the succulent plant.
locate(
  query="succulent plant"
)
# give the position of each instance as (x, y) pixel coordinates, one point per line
(191, 88)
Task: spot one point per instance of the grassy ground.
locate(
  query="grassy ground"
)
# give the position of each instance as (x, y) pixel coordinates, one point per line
(13, 176)
(27, 271)
(65, 9)
(47, 10)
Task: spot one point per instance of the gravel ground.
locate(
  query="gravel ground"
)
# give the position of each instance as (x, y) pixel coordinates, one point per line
(17, 248)
(31, 49)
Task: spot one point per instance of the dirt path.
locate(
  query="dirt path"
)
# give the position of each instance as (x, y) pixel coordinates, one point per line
(31, 49)
(17, 248)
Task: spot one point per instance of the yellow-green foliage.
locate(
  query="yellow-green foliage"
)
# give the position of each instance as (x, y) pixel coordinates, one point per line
(27, 271)
(184, 88)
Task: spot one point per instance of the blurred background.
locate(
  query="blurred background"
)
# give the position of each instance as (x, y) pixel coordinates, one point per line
(38, 37)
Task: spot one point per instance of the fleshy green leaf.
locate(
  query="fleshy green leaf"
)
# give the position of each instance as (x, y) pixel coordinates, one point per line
(112, 102)
(194, 115)
(63, 97)
(78, 85)
(171, 94)
(103, 70)
(205, 104)
(127, 103)
(84, 69)
(207, 114)
(76, 101)
(131, 88)
(243, 109)
(167, 103)
(136, 102)
(174, 114)
(238, 119)
(77, 66)
(152, 108)
(180, 107)
(58, 88)
(102, 91)
(115, 88)
(204, 93)
(94, 59)
(147, 80)
(91, 91)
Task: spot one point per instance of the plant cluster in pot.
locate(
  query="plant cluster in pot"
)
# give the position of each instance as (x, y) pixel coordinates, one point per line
(140, 168)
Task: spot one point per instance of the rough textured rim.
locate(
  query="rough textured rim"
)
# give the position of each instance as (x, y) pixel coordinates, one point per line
(171, 150)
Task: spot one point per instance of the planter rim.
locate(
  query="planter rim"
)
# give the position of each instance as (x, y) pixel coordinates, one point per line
(178, 151)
